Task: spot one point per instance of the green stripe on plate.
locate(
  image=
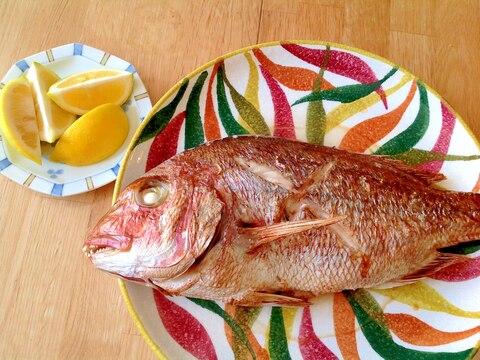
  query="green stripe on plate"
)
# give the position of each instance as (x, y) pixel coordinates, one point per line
(29, 180)
(141, 96)
(105, 58)
(89, 181)
(50, 56)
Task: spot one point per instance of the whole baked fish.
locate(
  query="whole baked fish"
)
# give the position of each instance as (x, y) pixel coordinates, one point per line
(254, 220)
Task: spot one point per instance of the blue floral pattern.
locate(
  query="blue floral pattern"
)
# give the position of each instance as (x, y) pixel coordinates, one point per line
(55, 173)
(126, 105)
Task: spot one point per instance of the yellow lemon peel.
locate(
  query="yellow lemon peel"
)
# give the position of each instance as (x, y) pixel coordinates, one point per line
(82, 92)
(94, 137)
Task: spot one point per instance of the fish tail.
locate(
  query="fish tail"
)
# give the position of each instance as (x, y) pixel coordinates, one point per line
(464, 234)
(469, 220)
(473, 210)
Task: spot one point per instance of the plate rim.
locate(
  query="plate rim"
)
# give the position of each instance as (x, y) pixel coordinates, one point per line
(57, 190)
(122, 283)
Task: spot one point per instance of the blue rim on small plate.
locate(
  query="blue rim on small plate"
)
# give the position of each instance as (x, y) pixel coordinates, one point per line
(60, 179)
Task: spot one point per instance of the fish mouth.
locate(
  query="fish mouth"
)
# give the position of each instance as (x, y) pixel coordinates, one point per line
(98, 250)
(106, 245)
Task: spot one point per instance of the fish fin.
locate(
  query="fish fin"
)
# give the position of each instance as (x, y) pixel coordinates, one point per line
(424, 176)
(316, 177)
(267, 173)
(343, 232)
(392, 284)
(265, 234)
(441, 261)
(264, 298)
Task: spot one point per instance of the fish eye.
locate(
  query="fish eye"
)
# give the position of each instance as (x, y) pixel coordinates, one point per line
(152, 194)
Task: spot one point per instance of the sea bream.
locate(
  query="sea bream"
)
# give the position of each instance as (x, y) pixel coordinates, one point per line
(254, 220)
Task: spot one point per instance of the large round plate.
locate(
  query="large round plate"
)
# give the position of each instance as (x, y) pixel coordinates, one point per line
(60, 179)
(241, 92)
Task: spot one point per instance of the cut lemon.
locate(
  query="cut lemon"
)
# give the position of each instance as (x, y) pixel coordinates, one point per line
(52, 120)
(85, 91)
(93, 137)
(18, 122)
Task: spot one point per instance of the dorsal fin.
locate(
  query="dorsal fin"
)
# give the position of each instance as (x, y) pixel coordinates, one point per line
(419, 174)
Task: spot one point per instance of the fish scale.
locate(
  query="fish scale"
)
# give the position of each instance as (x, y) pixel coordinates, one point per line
(252, 220)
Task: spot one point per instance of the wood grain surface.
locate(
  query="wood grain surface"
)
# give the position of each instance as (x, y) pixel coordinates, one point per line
(54, 305)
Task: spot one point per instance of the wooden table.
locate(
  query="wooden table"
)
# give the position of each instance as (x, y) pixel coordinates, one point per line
(53, 303)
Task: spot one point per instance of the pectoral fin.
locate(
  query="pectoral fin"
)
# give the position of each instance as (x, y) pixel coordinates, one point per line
(265, 234)
(295, 207)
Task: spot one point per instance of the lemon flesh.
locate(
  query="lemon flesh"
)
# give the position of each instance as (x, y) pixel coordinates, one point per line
(85, 91)
(18, 122)
(94, 137)
(52, 120)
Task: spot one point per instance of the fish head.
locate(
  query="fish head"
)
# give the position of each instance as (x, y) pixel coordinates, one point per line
(157, 228)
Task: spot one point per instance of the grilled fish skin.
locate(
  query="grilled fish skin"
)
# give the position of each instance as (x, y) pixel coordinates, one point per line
(252, 220)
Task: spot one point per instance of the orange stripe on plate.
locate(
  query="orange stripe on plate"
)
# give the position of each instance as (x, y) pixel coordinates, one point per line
(344, 324)
(476, 188)
(416, 332)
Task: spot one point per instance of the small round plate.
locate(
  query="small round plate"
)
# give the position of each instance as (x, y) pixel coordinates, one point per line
(60, 179)
(342, 97)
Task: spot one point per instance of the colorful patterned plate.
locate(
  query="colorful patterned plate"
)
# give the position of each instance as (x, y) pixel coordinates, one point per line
(60, 179)
(338, 96)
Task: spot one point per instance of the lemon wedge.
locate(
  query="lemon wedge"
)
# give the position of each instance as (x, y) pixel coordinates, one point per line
(85, 91)
(18, 121)
(52, 120)
(93, 137)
